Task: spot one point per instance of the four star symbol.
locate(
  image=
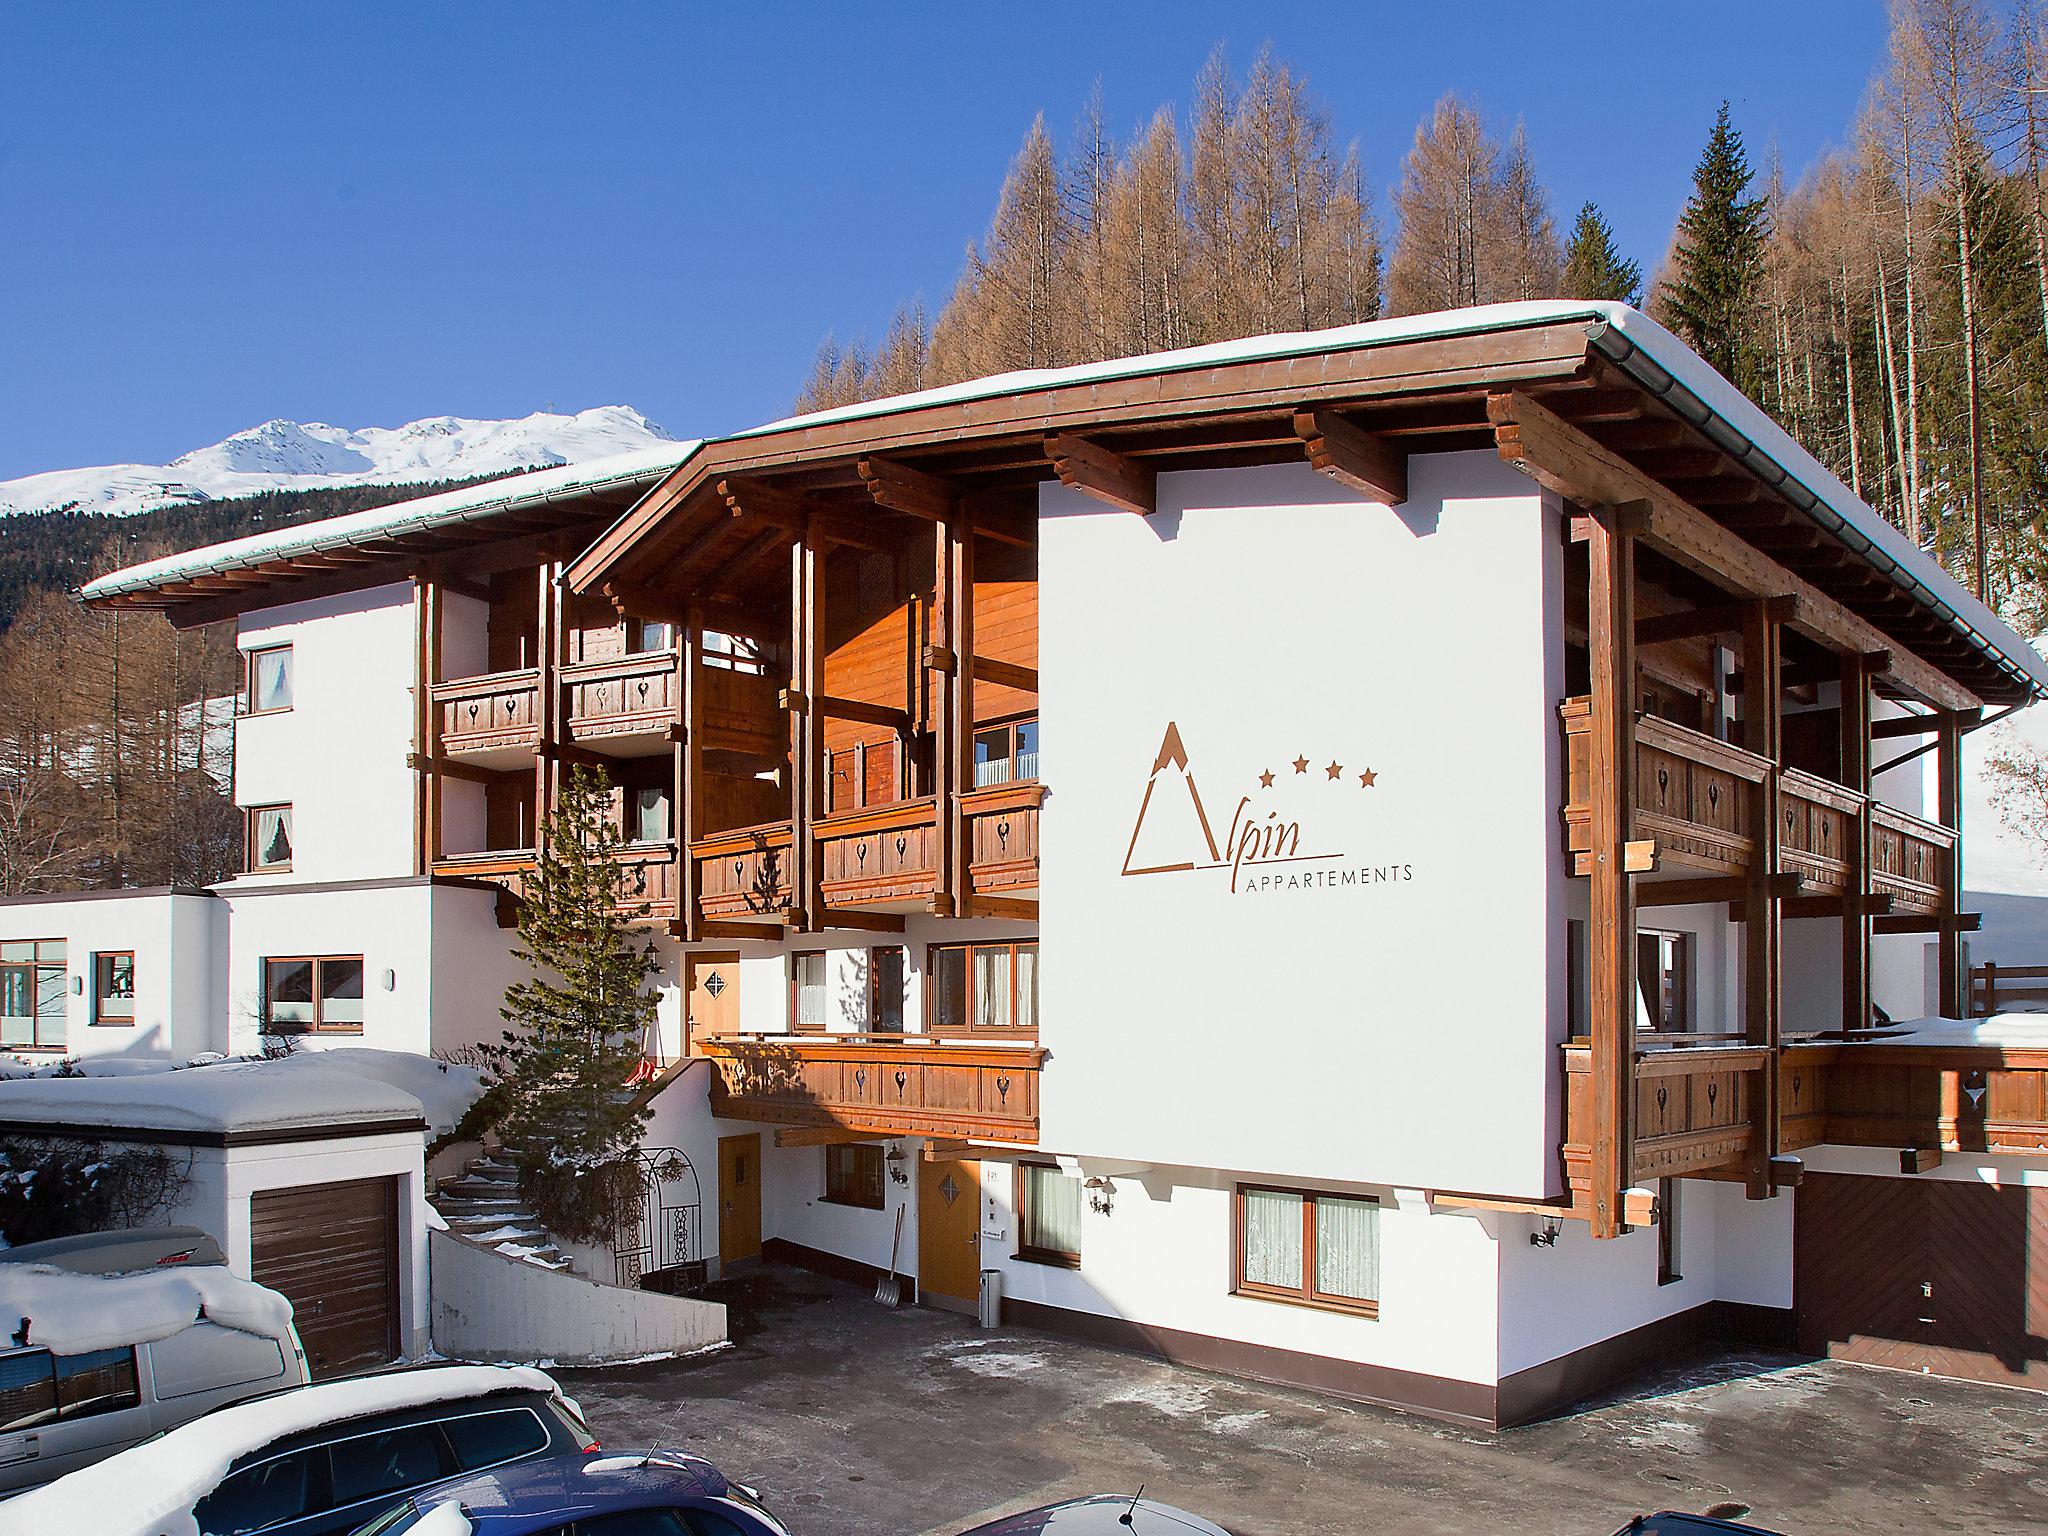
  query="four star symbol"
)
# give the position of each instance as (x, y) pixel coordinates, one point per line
(1334, 771)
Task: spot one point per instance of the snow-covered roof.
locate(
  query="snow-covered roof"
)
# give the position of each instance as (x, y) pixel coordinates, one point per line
(474, 503)
(149, 1489)
(73, 1313)
(227, 1099)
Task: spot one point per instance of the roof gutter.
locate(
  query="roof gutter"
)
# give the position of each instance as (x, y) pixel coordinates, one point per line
(1645, 370)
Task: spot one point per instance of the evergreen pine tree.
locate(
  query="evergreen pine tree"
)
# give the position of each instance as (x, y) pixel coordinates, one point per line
(1593, 268)
(1714, 291)
(577, 1025)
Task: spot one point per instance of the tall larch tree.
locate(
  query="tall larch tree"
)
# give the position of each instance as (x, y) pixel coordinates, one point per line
(1445, 196)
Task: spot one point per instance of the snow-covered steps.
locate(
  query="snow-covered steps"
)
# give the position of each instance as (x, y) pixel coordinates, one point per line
(482, 1205)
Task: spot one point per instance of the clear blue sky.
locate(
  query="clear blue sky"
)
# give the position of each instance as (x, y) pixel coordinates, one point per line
(363, 214)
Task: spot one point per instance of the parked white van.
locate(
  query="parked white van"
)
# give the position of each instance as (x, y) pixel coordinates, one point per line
(93, 1360)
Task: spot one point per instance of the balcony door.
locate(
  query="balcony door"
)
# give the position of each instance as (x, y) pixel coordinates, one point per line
(711, 1001)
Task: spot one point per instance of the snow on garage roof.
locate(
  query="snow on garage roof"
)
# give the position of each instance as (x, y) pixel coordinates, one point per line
(226, 1101)
(75, 1314)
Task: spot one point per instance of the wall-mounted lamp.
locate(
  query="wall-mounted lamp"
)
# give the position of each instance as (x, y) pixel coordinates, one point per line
(389, 981)
(1547, 1238)
(1100, 1194)
(77, 985)
(895, 1160)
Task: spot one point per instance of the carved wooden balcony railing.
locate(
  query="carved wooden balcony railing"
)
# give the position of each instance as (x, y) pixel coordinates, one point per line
(1002, 837)
(888, 1084)
(492, 712)
(1817, 830)
(1962, 1098)
(1694, 1109)
(881, 853)
(650, 875)
(1693, 792)
(507, 869)
(1911, 860)
(623, 696)
(744, 874)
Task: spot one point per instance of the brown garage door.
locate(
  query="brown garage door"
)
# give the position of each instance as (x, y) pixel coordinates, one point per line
(333, 1249)
(1932, 1275)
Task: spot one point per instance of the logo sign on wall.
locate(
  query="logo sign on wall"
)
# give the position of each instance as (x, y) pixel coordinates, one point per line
(1291, 827)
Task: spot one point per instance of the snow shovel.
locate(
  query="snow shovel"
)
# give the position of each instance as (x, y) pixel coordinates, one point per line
(888, 1289)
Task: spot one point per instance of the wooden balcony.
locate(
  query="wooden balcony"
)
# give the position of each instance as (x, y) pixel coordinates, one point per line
(621, 701)
(1693, 791)
(1817, 831)
(650, 875)
(898, 1085)
(882, 853)
(1002, 837)
(1962, 1098)
(1911, 860)
(498, 712)
(1694, 1111)
(741, 712)
(743, 874)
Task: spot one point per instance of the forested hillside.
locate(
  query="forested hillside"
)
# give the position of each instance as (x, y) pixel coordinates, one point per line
(1888, 304)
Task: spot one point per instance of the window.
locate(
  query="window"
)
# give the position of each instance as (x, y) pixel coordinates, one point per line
(853, 1175)
(985, 989)
(269, 685)
(885, 991)
(37, 1387)
(491, 1439)
(32, 994)
(1005, 752)
(1664, 975)
(316, 994)
(807, 992)
(258, 1497)
(647, 814)
(649, 635)
(206, 1356)
(1048, 1215)
(113, 987)
(270, 837)
(366, 1465)
(1318, 1250)
(1578, 1000)
(1667, 1232)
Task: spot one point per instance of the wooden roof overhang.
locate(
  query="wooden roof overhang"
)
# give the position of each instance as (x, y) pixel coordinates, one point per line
(1718, 521)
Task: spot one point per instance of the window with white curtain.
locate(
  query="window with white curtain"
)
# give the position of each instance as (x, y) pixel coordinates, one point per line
(1315, 1249)
(1048, 1214)
(984, 988)
(807, 983)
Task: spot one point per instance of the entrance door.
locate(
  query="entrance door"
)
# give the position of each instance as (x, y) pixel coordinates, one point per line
(1933, 1275)
(333, 1250)
(949, 1235)
(739, 1197)
(711, 1003)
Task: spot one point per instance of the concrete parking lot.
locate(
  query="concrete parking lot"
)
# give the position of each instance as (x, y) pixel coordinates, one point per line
(859, 1421)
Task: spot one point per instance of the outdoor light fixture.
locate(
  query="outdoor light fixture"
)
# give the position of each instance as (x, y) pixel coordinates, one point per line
(1547, 1238)
(1100, 1192)
(389, 980)
(77, 985)
(894, 1158)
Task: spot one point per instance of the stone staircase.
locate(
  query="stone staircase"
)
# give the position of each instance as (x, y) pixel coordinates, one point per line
(482, 1203)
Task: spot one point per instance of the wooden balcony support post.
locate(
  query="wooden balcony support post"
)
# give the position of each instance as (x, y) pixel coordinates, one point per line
(806, 730)
(550, 651)
(941, 683)
(1948, 792)
(689, 768)
(1762, 734)
(1611, 934)
(953, 827)
(1856, 908)
(429, 611)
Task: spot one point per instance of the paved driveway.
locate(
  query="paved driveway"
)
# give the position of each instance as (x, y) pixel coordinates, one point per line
(859, 1421)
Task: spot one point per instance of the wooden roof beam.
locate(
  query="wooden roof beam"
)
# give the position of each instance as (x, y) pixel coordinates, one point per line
(899, 488)
(1558, 456)
(1108, 476)
(1352, 456)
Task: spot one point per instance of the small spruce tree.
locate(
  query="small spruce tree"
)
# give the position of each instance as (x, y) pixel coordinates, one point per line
(1713, 295)
(576, 1025)
(1593, 267)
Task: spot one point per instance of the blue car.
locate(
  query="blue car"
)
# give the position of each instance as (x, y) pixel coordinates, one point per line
(661, 1493)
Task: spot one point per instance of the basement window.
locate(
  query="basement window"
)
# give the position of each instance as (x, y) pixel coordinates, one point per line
(1315, 1250)
(853, 1175)
(313, 994)
(1048, 1216)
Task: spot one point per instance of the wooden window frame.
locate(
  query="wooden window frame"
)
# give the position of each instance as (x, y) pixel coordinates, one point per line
(796, 1015)
(1020, 1183)
(1668, 1272)
(1686, 948)
(318, 1026)
(875, 989)
(1307, 1295)
(636, 635)
(249, 815)
(862, 1193)
(249, 709)
(1008, 725)
(100, 958)
(967, 947)
(34, 965)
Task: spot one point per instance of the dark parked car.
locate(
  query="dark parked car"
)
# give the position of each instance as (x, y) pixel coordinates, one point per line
(328, 1481)
(1671, 1522)
(1102, 1514)
(660, 1493)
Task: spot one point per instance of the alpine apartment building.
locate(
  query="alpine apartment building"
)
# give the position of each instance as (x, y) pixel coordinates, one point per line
(1383, 858)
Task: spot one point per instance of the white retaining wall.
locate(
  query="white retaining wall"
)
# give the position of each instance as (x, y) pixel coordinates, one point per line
(490, 1307)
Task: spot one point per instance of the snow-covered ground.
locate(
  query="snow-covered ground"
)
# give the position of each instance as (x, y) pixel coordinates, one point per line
(293, 455)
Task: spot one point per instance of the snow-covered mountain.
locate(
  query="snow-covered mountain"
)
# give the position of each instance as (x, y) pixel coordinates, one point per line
(301, 455)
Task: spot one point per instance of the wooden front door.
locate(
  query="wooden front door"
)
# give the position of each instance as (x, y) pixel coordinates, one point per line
(333, 1250)
(949, 1234)
(1939, 1276)
(711, 1002)
(739, 1197)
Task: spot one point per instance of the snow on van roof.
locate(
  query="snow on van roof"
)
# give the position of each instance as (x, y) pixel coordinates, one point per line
(74, 1314)
(292, 1092)
(149, 1489)
(471, 503)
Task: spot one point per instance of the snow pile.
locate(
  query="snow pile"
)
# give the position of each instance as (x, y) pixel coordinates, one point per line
(2017, 1031)
(149, 1490)
(74, 1313)
(229, 1096)
(444, 1090)
(292, 455)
